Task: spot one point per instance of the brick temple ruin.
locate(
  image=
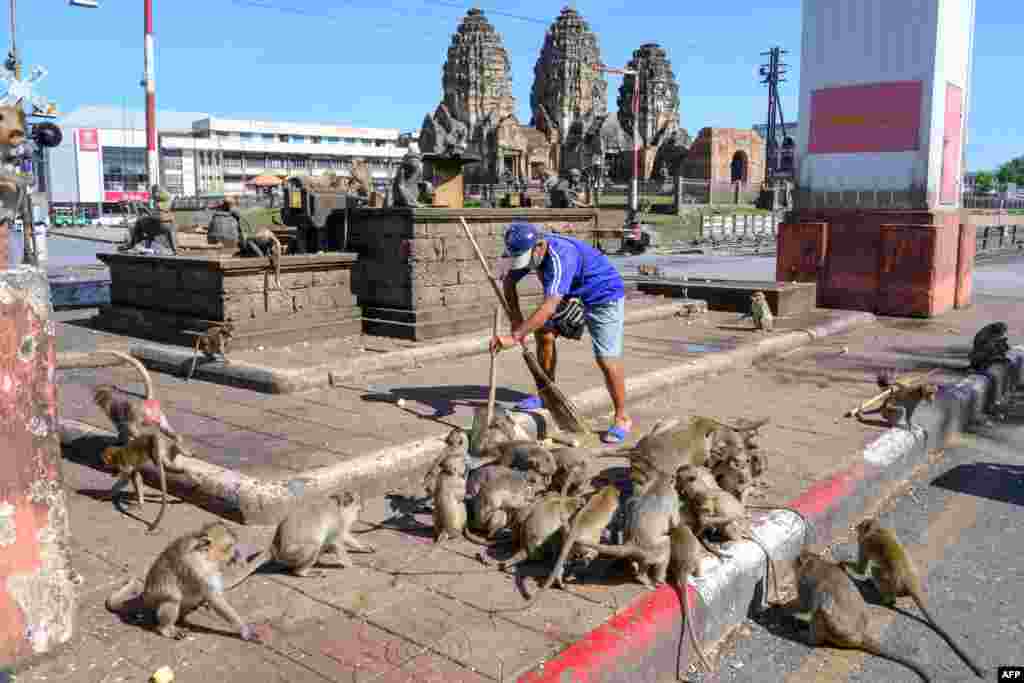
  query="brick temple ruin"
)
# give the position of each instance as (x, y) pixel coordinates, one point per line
(570, 126)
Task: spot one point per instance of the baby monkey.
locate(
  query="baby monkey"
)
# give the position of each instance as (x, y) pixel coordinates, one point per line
(186, 575)
(128, 460)
(896, 575)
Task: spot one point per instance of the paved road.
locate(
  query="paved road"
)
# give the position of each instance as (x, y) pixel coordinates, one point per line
(962, 520)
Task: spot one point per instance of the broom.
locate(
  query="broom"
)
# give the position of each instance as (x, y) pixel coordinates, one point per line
(492, 392)
(566, 416)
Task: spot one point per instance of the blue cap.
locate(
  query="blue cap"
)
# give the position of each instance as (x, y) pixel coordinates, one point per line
(520, 238)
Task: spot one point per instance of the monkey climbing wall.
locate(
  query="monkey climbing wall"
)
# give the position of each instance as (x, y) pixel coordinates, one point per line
(37, 585)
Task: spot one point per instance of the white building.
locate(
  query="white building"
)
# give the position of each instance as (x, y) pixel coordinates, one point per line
(102, 159)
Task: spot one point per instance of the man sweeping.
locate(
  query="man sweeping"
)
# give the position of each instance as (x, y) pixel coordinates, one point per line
(580, 285)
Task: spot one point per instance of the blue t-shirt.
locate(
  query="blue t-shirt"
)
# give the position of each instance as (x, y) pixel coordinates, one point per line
(572, 268)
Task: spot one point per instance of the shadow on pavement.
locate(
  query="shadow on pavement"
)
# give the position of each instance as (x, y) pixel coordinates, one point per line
(445, 399)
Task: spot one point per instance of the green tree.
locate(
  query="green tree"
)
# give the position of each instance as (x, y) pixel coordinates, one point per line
(984, 182)
(1011, 172)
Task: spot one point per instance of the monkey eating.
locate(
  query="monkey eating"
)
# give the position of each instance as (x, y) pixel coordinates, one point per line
(584, 530)
(895, 575)
(837, 614)
(669, 445)
(186, 575)
(127, 460)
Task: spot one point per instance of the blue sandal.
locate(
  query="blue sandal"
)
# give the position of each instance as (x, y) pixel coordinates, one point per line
(530, 403)
(615, 434)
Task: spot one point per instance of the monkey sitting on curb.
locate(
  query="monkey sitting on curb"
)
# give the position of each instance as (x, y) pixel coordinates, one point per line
(895, 575)
(186, 575)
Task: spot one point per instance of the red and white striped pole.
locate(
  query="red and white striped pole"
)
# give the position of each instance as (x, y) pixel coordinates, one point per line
(149, 83)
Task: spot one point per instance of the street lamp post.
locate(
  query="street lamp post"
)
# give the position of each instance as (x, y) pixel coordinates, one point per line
(149, 83)
(634, 189)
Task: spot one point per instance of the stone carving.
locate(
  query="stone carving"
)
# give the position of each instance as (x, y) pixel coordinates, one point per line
(657, 120)
(443, 135)
(567, 85)
(408, 184)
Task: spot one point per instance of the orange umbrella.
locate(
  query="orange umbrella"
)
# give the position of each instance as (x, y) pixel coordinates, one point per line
(265, 181)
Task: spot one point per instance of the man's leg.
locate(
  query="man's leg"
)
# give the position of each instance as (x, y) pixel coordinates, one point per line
(606, 323)
(547, 355)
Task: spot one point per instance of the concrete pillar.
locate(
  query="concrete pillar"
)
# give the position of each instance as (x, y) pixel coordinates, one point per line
(37, 586)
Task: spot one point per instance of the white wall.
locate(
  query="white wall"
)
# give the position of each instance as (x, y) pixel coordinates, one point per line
(293, 128)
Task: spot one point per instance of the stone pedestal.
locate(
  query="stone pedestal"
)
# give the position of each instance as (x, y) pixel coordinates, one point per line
(161, 297)
(908, 263)
(418, 277)
(449, 184)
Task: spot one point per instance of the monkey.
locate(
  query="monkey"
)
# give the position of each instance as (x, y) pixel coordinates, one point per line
(668, 446)
(264, 240)
(903, 399)
(651, 514)
(990, 345)
(186, 575)
(761, 312)
(526, 456)
(456, 448)
(833, 607)
(571, 474)
(502, 428)
(539, 525)
(895, 575)
(691, 478)
(212, 342)
(685, 555)
(586, 527)
(128, 461)
(304, 535)
(503, 491)
(450, 501)
(733, 474)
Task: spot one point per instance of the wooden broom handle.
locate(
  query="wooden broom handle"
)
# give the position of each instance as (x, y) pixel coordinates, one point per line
(490, 277)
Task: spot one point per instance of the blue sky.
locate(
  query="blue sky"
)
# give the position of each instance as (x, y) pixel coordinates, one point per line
(379, 63)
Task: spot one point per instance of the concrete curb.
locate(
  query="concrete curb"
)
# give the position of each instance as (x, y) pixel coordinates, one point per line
(641, 642)
(177, 361)
(259, 501)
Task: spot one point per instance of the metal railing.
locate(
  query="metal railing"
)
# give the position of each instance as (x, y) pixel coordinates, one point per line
(999, 237)
(978, 201)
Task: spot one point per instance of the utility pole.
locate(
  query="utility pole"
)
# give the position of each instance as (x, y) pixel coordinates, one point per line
(149, 83)
(772, 74)
(634, 190)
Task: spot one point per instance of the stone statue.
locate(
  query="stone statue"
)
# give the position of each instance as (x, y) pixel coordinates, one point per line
(408, 184)
(565, 194)
(155, 233)
(443, 134)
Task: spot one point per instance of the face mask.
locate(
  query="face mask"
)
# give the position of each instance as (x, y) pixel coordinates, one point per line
(534, 261)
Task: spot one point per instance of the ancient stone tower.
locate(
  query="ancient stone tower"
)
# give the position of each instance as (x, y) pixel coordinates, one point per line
(476, 78)
(658, 118)
(569, 92)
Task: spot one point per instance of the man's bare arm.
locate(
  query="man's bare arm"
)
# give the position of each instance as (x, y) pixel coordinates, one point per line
(537, 320)
(512, 297)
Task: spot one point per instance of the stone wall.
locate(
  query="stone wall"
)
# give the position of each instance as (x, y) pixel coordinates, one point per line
(418, 277)
(161, 297)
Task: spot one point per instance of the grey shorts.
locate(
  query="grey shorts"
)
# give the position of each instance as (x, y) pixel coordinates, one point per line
(606, 323)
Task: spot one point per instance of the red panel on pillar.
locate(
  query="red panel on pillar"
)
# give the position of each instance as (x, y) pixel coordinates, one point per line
(801, 251)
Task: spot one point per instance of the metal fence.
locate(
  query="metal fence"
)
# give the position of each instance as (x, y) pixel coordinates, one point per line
(999, 237)
(980, 201)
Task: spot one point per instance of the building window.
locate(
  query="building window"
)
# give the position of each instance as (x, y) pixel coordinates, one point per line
(333, 140)
(316, 139)
(282, 138)
(268, 137)
(380, 143)
(232, 162)
(246, 136)
(172, 163)
(124, 169)
(351, 141)
(275, 162)
(298, 139)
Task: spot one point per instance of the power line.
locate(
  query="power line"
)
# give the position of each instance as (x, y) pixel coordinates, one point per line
(497, 13)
